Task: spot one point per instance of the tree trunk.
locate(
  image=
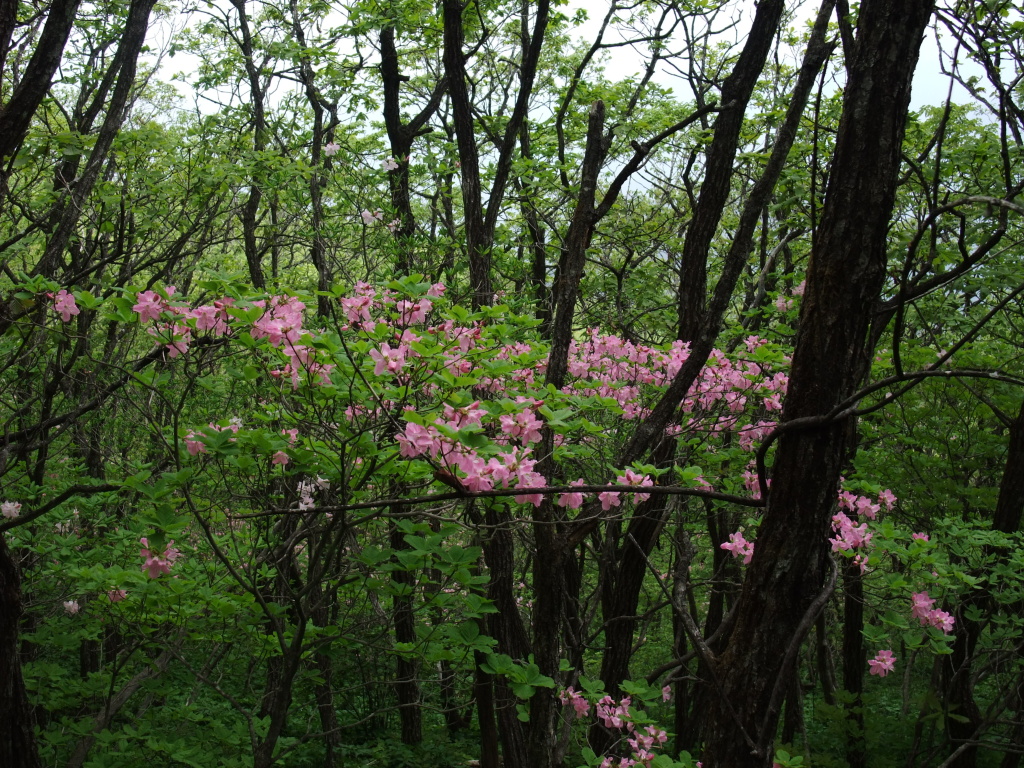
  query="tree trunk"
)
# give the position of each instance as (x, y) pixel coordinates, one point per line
(853, 664)
(16, 115)
(782, 593)
(17, 736)
(406, 686)
(959, 689)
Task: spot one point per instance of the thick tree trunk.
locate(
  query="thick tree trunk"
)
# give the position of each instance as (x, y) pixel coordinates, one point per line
(16, 114)
(401, 136)
(478, 246)
(17, 736)
(783, 589)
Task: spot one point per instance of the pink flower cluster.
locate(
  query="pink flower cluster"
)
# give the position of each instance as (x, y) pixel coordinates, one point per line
(157, 563)
(850, 536)
(572, 500)
(883, 663)
(280, 324)
(195, 446)
(579, 704)
(64, 305)
(922, 609)
(739, 547)
(608, 366)
(10, 509)
(307, 488)
(641, 742)
(611, 499)
(513, 469)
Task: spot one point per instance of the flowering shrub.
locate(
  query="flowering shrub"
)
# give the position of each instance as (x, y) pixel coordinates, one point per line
(311, 443)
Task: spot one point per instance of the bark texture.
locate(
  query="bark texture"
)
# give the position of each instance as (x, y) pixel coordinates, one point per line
(785, 582)
(17, 736)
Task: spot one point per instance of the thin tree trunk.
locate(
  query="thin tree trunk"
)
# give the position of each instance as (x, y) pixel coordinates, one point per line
(406, 687)
(854, 660)
(959, 689)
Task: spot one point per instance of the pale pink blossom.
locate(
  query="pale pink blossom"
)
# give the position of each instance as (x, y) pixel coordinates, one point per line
(573, 500)
(157, 563)
(64, 304)
(149, 306)
(921, 606)
(739, 547)
(883, 663)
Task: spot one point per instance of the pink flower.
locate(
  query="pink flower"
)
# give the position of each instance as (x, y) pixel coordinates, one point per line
(210, 317)
(412, 312)
(579, 704)
(609, 499)
(71, 607)
(64, 304)
(666, 693)
(634, 478)
(116, 595)
(390, 165)
(921, 606)
(388, 359)
(149, 306)
(572, 500)
(371, 218)
(331, 149)
(10, 509)
(883, 663)
(919, 536)
(417, 440)
(157, 563)
(193, 446)
(740, 547)
(280, 458)
(941, 620)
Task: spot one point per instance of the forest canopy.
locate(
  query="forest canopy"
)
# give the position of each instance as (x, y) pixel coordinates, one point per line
(534, 384)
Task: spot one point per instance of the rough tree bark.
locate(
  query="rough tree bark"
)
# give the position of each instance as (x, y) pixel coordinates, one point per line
(626, 574)
(17, 736)
(16, 114)
(784, 584)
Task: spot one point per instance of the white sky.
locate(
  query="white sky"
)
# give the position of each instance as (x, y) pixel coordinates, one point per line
(930, 85)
